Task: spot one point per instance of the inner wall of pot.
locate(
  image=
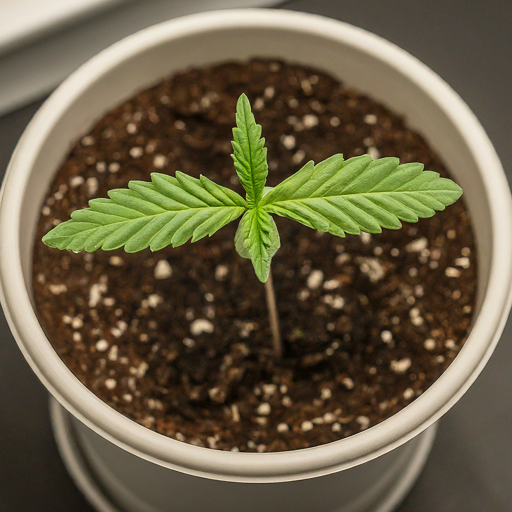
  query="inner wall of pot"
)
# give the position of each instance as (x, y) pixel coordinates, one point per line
(117, 82)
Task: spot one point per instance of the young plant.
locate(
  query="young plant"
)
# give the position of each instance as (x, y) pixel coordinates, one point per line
(336, 196)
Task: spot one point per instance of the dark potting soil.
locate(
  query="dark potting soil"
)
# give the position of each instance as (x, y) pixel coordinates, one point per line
(179, 340)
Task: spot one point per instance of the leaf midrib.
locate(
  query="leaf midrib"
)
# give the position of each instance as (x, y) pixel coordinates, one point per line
(195, 210)
(251, 163)
(362, 194)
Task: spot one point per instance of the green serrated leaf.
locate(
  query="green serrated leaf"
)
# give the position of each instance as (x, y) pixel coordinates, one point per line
(334, 196)
(250, 154)
(360, 194)
(167, 211)
(257, 239)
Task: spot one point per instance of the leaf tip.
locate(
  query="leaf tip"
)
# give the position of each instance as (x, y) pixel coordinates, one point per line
(243, 100)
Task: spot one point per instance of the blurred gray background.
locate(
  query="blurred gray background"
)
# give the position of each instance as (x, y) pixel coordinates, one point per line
(470, 45)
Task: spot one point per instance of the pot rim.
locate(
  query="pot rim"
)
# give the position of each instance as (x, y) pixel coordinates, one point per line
(280, 466)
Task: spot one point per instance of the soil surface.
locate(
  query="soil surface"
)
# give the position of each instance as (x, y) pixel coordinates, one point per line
(179, 340)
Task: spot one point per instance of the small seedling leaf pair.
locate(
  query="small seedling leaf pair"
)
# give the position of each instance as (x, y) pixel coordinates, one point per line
(336, 196)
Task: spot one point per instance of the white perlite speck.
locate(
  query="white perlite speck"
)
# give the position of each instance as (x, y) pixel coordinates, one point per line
(116, 261)
(57, 289)
(101, 345)
(303, 294)
(400, 366)
(414, 313)
(269, 389)
(113, 353)
(76, 181)
(221, 271)
(286, 401)
(408, 393)
(370, 119)
(325, 394)
(92, 186)
(288, 141)
(386, 336)
(77, 323)
(452, 272)
(163, 270)
(336, 301)
(110, 384)
(235, 413)
(315, 279)
(306, 426)
(298, 157)
(364, 422)
(259, 103)
(463, 262)
(366, 238)
(245, 328)
(332, 284)
(419, 291)
(336, 427)
(136, 152)
(114, 167)
(282, 428)
(97, 289)
(374, 152)
(417, 245)
(201, 325)
(269, 92)
(189, 342)
(88, 140)
(342, 258)
(450, 344)
(310, 120)
(141, 370)
(159, 161)
(329, 417)
(264, 409)
(372, 268)
(429, 344)
(348, 383)
(131, 128)
(154, 299)
(335, 121)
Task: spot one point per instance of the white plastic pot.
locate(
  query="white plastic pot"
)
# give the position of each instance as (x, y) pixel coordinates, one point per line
(141, 471)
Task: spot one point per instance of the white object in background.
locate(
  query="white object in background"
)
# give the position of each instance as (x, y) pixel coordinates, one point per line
(142, 470)
(44, 41)
(25, 20)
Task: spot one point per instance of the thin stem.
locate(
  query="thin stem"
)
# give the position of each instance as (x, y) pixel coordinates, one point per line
(273, 316)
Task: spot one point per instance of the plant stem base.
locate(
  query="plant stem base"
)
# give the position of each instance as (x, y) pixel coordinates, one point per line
(382, 495)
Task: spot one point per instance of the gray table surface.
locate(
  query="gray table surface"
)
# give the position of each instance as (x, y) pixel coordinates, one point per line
(470, 470)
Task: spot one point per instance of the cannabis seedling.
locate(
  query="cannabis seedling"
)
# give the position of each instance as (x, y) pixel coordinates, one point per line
(336, 196)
